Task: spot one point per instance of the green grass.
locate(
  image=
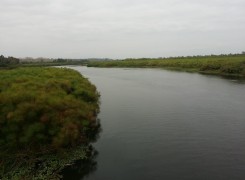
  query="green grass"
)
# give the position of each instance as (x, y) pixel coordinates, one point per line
(223, 65)
(44, 111)
(42, 64)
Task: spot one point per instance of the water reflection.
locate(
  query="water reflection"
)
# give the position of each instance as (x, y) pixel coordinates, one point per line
(231, 78)
(82, 168)
(236, 80)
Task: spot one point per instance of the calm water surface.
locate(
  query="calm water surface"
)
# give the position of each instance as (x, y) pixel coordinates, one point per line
(160, 124)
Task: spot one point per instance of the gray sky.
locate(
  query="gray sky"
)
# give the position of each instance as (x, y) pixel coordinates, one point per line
(121, 28)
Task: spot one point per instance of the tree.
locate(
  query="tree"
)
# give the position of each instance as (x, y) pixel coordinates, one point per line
(10, 60)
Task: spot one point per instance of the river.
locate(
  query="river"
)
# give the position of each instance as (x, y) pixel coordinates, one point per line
(160, 124)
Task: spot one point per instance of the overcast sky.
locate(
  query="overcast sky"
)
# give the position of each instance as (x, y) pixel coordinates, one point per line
(121, 28)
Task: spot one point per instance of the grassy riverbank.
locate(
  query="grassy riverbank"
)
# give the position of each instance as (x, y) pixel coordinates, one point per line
(47, 115)
(223, 65)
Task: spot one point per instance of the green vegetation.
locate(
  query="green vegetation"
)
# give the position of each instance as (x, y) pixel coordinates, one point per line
(12, 62)
(9, 61)
(55, 62)
(44, 112)
(222, 64)
(47, 166)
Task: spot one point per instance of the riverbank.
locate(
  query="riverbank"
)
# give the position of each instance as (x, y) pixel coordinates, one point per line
(48, 118)
(221, 65)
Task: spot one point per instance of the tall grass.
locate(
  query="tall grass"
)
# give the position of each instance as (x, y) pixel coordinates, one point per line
(227, 65)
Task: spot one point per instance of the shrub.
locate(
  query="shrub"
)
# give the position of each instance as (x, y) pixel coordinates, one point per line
(46, 108)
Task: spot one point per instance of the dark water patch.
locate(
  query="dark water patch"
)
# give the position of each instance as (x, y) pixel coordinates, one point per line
(161, 124)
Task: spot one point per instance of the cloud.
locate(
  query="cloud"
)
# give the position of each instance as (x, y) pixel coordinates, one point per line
(120, 28)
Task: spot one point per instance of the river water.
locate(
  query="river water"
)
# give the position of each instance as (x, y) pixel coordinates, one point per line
(160, 124)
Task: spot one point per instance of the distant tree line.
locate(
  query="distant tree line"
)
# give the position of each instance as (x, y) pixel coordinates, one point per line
(191, 57)
(42, 60)
(11, 62)
(5, 61)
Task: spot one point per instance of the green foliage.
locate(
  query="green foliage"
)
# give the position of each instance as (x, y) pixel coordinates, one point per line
(223, 64)
(45, 106)
(52, 63)
(48, 166)
(45, 110)
(8, 61)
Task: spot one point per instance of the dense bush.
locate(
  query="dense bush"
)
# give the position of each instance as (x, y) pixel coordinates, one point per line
(46, 108)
